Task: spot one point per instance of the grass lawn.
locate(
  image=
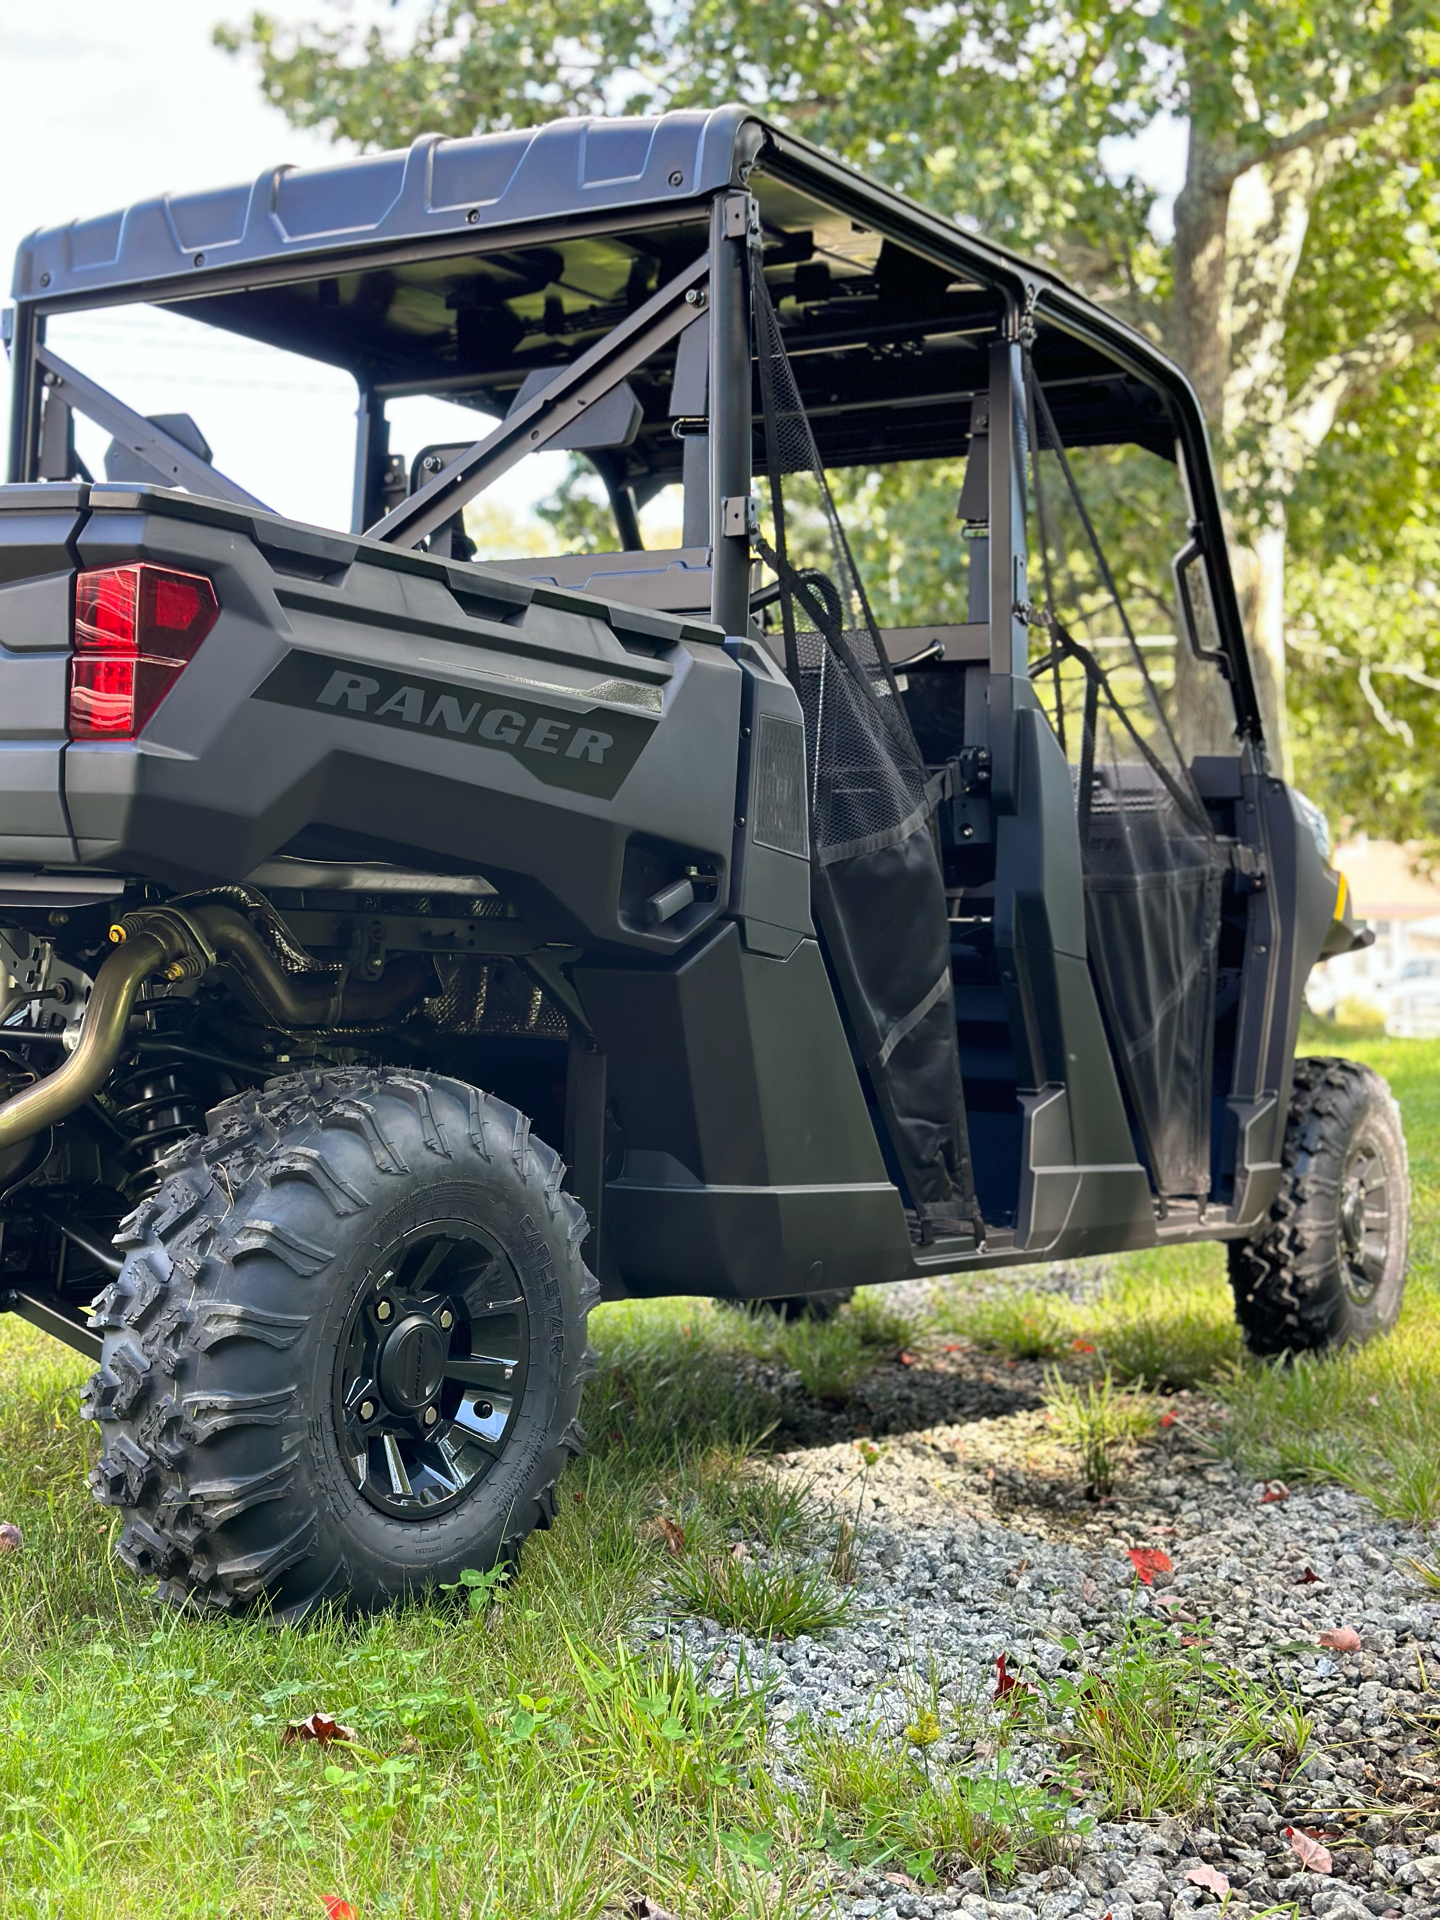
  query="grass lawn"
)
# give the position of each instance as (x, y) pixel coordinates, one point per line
(512, 1759)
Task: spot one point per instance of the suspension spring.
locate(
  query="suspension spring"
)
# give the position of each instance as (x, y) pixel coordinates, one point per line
(155, 1104)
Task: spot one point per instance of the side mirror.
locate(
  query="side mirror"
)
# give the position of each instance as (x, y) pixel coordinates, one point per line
(1197, 604)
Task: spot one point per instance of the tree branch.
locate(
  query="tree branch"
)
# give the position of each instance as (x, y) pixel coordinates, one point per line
(1328, 126)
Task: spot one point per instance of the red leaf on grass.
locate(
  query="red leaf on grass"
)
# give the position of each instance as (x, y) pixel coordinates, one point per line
(337, 1908)
(1147, 1562)
(1308, 1850)
(674, 1536)
(321, 1727)
(1210, 1878)
(1082, 1346)
(1007, 1683)
(1341, 1639)
(1276, 1492)
(1168, 1419)
(11, 1538)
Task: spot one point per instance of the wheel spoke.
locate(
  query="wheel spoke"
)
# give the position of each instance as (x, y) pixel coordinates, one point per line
(399, 1479)
(479, 1370)
(433, 1259)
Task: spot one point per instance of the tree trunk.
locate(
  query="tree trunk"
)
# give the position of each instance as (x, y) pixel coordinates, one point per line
(1201, 311)
(1260, 583)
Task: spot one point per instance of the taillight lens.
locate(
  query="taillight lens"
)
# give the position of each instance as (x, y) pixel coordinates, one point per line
(136, 629)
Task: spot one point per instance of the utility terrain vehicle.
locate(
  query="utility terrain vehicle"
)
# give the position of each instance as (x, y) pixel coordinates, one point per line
(884, 876)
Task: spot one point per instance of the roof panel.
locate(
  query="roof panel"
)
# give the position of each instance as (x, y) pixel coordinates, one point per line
(436, 187)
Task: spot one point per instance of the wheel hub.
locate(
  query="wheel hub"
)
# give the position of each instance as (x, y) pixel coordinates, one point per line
(1364, 1220)
(431, 1370)
(412, 1363)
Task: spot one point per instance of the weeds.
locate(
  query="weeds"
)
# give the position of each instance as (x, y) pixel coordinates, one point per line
(1101, 1424)
(1153, 1722)
(1030, 1326)
(768, 1599)
(892, 1806)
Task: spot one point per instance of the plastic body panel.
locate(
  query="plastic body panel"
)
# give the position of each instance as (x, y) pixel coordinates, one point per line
(1081, 1187)
(37, 532)
(235, 763)
(751, 1167)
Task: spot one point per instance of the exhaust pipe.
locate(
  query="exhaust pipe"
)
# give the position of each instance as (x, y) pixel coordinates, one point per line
(102, 1034)
(184, 943)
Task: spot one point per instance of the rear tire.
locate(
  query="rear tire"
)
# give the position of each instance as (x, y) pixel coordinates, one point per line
(343, 1359)
(1328, 1269)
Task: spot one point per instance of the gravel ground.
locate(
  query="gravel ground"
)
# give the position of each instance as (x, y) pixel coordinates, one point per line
(977, 1541)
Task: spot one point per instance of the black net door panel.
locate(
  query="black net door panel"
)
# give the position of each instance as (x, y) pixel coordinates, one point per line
(1153, 870)
(876, 879)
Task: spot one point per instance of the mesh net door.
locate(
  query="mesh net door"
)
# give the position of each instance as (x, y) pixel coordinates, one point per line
(876, 879)
(1152, 866)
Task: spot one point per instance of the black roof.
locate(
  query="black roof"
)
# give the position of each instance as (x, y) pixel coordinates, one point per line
(438, 187)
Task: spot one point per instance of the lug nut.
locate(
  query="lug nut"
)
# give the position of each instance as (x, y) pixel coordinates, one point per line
(367, 1409)
(431, 1416)
(383, 1310)
(484, 1409)
(447, 1319)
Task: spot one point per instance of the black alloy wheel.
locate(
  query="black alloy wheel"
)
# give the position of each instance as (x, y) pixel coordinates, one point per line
(343, 1359)
(431, 1370)
(1327, 1268)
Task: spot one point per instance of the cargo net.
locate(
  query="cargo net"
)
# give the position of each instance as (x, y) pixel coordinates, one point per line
(876, 880)
(1152, 866)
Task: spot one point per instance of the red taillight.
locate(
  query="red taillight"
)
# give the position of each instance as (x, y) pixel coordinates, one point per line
(136, 627)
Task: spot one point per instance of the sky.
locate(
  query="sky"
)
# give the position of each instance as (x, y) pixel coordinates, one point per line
(104, 102)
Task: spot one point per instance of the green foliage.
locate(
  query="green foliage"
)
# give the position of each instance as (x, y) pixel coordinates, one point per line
(889, 1805)
(769, 1598)
(1151, 1722)
(1099, 1423)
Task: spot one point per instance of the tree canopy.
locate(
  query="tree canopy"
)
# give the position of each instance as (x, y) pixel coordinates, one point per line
(1297, 278)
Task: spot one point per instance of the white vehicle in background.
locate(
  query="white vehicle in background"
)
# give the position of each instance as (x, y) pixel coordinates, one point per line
(1414, 1009)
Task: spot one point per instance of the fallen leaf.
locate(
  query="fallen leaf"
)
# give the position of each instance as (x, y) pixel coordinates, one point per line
(1341, 1639)
(1168, 1419)
(952, 1346)
(578, 1496)
(1147, 1562)
(11, 1538)
(321, 1727)
(1082, 1346)
(1308, 1850)
(1372, 1399)
(905, 1359)
(644, 1908)
(1088, 1589)
(674, 1535)
(1276, 1492)
(902, 1880)
(1309, 1578)
(337, 1908)
(1007, 1683)
(1210, 1878)
(739, 1551)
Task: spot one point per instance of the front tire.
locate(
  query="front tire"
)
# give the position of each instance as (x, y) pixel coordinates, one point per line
(1328, 1268)
(343, 1359)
